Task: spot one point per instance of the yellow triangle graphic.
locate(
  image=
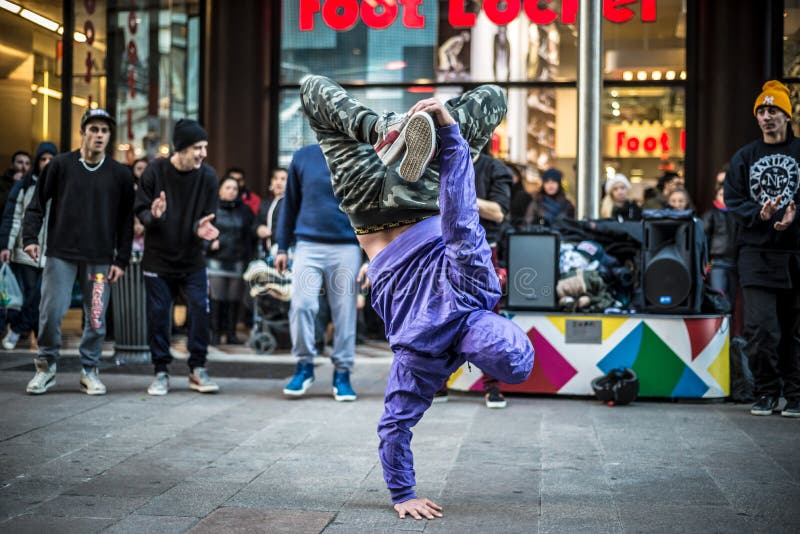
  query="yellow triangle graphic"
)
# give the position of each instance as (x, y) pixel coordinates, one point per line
(611, 324)
(458, 372)
(720, 368)
(560, 322)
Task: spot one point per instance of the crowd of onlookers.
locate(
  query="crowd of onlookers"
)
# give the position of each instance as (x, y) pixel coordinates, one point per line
(246, 222)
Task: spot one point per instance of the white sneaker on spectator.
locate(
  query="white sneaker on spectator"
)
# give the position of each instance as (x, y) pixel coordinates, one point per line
(200, 381)
(44, 379)
(90, 382)
(160, 384)
(11, 339)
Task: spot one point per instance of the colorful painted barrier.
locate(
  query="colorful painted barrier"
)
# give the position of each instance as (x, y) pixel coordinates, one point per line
(674, 356)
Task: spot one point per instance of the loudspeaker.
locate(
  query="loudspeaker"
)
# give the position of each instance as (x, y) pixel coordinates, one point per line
(668, 273)
(532, 271)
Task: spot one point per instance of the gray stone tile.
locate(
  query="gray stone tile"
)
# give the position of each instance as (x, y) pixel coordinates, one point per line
(190, 499)
(668, 519)
(36, 524)
(246, 521)
(90, 506)
(136, 524)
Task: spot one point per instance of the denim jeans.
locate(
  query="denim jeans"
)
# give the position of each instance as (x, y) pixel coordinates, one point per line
(57, 281)
(161, 290)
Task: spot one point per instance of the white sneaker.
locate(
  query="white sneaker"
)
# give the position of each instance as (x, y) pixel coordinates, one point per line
(390, 144)
(90, 382)
(200, 381)
(44, 379)
(160, 384)
(11, 339)
(419, 138)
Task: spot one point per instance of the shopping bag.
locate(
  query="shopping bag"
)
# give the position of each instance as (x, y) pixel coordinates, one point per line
(10, 293)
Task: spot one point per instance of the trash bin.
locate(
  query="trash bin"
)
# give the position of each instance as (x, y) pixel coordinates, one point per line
(128, 303)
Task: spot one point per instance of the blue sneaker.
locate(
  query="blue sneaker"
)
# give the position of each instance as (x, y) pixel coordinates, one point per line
(301, 381)
(342, 390)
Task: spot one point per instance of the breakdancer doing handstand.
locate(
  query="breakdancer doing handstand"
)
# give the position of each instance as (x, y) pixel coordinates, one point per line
(432, 277)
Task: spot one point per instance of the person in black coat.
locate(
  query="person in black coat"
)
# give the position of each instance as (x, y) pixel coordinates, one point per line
(762, 187)
(720, 226)
(267, 218)
(226, 258)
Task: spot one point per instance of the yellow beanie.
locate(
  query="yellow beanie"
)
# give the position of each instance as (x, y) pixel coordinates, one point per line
(774, 93)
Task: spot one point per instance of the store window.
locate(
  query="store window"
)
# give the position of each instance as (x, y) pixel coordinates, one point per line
(30, 75)
(643, 134)
(654, 51)
(89, 76)
(791, 55)
(158, 64)
(532, 54)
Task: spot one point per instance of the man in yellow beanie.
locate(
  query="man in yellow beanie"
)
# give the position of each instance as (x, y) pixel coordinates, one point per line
(761, 189)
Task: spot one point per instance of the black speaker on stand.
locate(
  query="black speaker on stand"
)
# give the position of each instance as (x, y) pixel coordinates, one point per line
(669, 275)
(533, 270)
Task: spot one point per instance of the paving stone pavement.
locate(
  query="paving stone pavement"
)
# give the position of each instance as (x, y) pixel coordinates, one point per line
(248, 460)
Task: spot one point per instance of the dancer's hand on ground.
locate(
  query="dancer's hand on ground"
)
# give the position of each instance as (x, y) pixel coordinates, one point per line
(788, 218)
(436, 110)
(362, 277)
(206, 230)
(419, 508)
(159, 206)
(33, 251)
(114, 274)
(281, 262)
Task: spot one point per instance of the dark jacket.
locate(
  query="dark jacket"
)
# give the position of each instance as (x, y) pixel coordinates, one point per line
(547, 209)
(493, 182)
(272, 223)
(171, 242)
(6, 183)
(91, 215)
(629, 211)
(720, 227)
(759, 171)
(234, 220)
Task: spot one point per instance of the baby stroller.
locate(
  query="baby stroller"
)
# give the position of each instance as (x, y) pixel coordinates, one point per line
(271, 292)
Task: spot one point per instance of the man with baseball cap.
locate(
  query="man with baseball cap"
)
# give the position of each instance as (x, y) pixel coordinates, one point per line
(176, 201)
(761, 189)
(88, 235)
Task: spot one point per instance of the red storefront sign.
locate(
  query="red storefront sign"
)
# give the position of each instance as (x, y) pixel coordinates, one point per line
(342, 15)
(650, 141)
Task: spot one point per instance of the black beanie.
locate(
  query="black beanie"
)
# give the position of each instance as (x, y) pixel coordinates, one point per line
(187, 132)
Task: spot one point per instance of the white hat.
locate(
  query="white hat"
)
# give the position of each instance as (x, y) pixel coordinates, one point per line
(617, 179)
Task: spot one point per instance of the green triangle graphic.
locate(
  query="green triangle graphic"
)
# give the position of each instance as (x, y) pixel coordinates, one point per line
(657, 366)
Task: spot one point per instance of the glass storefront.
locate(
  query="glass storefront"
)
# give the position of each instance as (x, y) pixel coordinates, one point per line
(30, 75)
(137, 58)
(393, 61)
(158, 61)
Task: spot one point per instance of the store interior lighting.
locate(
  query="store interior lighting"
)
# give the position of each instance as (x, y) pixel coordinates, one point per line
(39, 20)
(10, 6)
(670, 75)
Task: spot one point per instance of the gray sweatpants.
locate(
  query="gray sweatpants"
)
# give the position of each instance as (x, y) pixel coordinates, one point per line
(57, 281)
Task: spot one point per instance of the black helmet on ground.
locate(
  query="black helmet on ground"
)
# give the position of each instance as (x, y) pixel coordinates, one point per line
(619, 386)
